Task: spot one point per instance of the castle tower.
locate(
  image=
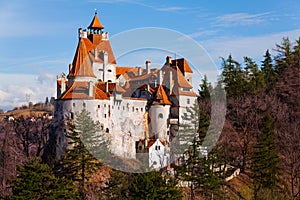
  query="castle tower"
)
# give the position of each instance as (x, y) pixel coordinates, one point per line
(104, 62)
(159, 114)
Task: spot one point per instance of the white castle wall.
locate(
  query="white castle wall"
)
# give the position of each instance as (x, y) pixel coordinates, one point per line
(123, 120)
(159, 115)
(105, 73)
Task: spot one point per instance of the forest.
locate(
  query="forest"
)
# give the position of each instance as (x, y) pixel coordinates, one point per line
(260, 137)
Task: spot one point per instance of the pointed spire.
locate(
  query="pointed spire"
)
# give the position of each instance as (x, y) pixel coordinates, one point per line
(160, 96)
(82, 65)
(96, 24)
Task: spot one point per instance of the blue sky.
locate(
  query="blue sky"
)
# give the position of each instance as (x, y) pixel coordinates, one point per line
(38, 38)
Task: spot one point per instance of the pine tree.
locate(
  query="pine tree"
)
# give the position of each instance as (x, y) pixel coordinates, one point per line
(205, 88)
(117, 186)
(268, 69)
(78, 162)
(36, 181)
(233, 77)
(153, 185)
(255, 81)
(265, 159)
(284, 57)
(195, 164)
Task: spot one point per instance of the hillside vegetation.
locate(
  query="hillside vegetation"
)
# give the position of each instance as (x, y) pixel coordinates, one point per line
(260, 138)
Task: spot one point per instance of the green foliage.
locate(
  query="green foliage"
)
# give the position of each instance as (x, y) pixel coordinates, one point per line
(118, 185)
(265, 158)
(78, 163)
(152, 185)
(268, 69)
(205, 88)
(37, 182)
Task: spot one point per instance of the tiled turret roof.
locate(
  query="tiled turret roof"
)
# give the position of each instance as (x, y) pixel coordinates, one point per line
(82, 65)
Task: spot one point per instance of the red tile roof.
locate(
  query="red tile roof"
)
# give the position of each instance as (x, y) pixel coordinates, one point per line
(160, 96)
(96, 24)
(82, 65)
(151, 142)
(122, 70)
(180, 80)
(182, 64)
(80, 90)
(104, 45)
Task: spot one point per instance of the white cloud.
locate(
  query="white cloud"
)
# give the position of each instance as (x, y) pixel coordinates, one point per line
(171, 8)
(16, 88)
(238, 19)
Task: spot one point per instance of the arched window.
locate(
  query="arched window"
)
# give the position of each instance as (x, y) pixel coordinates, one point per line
(160, 116)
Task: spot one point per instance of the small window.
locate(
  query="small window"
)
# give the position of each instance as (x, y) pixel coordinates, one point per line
(98, 106)
(141, 109)
(109, 70)
(112, 107)
(109, 81)
(160, 116)
(72, 115)
(104, 105)
(157, 147)
(123, 107)
(107, 130)
(104, 115)
(73, 104)
(154, 163)
(188, 101)
(132, 109)
(83, 104)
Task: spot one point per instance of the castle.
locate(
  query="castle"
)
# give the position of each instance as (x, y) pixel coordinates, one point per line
(140, 108)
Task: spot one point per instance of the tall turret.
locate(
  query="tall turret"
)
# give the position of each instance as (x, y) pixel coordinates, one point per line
(159, 114)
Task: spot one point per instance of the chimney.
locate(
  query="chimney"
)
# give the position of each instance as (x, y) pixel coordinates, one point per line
(106, 87)
(139, 71)
(148, 63)
(91, 87)
(169, 60)
(170, 82)
(63, 84)
(104, 57)
(96, 53)
(160, 77)
(105, 36)
(82, 33)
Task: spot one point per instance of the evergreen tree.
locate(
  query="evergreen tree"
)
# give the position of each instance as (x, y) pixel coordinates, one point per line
(37, 182)
(265, 159)
(78, 162)
(205, 88)
(233, 77)
(117, 186)
(284, 57)
(152, 185)
(268, 69)
(255, 78)
(195, 165)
